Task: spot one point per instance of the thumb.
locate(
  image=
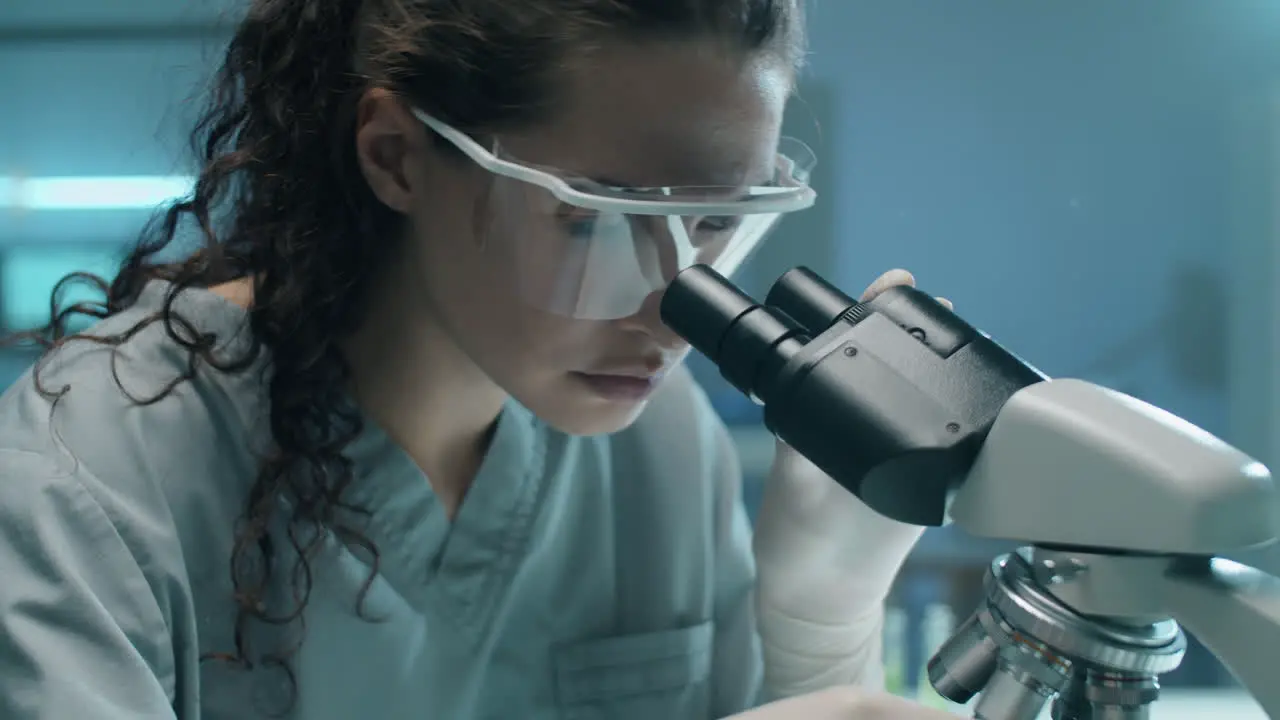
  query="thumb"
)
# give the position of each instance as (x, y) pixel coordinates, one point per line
(890, 279)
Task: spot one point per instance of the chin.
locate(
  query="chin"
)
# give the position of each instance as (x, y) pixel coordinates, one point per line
(575, 414)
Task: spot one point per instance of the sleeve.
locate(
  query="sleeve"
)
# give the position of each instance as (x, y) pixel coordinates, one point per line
(81, 632)
(737, 661)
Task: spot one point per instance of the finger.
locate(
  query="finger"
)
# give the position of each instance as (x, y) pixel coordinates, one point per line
(890, 279)
(945, 303)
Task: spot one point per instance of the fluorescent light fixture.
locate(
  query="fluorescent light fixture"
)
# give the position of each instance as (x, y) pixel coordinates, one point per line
(139, 192)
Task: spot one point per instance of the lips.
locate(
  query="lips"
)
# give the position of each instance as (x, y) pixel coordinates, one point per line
(619, 387)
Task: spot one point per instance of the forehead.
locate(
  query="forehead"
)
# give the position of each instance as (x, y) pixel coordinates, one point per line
(664, 114)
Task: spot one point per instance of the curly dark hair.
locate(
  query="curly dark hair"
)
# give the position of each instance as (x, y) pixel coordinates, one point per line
(280, 199)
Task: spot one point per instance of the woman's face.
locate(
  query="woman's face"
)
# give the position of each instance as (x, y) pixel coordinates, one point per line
(641, 116)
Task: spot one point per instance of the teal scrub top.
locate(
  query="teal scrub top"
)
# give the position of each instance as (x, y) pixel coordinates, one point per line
(583, 577)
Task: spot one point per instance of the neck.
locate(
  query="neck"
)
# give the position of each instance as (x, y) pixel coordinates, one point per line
(411, 378)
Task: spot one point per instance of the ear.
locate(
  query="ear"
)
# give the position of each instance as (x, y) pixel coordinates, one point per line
(390, 145)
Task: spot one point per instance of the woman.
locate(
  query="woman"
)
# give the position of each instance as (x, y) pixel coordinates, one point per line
(405, 438)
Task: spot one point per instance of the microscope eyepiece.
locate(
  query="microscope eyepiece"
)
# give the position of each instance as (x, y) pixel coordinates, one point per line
(700, 306)
(811, 301)
(748, 341)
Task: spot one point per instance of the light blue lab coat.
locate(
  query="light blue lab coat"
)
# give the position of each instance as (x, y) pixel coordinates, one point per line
(601, 577)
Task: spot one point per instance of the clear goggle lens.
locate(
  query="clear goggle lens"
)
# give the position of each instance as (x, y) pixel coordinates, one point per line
(587, 251)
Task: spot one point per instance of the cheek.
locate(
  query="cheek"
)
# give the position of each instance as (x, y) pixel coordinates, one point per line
(473, 286)
(475, 245)
(474, 297)
(510, 339)
(444, 231)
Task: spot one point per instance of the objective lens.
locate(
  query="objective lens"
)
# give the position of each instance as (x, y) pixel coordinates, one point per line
(1071, 703)
(1024, 681)
(964, 664)
(1012, 694)
(1120, 697)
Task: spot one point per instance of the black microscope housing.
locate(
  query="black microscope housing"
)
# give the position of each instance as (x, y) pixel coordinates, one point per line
(892, 397)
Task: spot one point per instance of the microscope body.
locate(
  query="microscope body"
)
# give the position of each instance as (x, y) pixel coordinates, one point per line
(1123, 507)
(1070, 463)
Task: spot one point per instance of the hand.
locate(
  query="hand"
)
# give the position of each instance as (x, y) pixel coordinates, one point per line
(825, 563)
(844, 703)
(817, 545)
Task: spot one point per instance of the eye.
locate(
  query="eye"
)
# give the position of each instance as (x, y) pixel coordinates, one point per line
(581, 227)
(717, 223)
(578, 222)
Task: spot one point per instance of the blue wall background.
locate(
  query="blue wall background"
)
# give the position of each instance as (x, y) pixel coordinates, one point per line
(1063, 171)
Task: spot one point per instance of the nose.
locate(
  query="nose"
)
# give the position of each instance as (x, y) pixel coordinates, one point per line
(648, 321)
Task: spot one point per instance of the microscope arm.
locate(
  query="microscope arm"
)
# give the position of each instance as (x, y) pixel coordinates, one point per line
(1235, 611)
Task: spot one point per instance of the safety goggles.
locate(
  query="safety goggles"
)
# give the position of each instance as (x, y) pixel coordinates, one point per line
(581, 249)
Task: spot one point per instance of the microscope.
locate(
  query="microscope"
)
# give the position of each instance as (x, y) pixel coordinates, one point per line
(1124, 509)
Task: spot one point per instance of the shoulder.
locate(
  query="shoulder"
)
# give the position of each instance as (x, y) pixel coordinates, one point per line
(119, 407)
(125, 504)
(149, 463)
